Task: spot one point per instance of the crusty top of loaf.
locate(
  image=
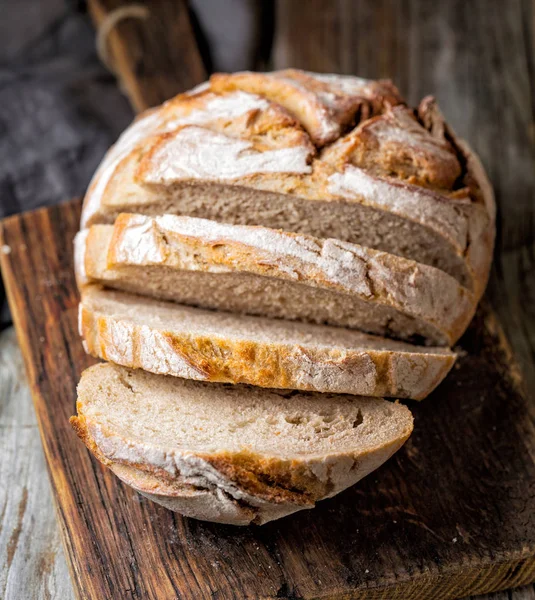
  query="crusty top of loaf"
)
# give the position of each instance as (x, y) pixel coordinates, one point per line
(250, 125)
(324, 104)
(247, 125)
(325, 138)
(396, 144)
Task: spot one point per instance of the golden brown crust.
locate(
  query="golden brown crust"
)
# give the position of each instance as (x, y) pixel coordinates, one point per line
(266, 478)
(363, 370)
(78, 423)
(474, 180)
(325, 105)
(266, 128)
(394, 144)
(270, 479)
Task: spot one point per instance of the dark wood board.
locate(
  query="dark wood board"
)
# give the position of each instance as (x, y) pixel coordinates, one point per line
(155, 56)
(452, 514)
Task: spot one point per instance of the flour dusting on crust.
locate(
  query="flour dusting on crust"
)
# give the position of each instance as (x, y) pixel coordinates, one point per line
(199, 153)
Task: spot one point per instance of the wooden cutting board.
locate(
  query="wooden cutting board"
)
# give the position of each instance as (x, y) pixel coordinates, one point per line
(452, 514)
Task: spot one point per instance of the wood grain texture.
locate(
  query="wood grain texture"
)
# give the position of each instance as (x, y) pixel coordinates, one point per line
(32, 564)
(155, 58)
(452, 514)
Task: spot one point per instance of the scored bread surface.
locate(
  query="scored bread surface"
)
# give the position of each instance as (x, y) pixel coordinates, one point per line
(400, 181)
(247, 455)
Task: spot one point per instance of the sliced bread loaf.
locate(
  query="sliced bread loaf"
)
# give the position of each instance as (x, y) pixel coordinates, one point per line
(188, 342)
(257, 270)
(232, 454)
(401, 181)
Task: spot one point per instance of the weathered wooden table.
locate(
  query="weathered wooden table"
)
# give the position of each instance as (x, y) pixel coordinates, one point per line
(478, 57)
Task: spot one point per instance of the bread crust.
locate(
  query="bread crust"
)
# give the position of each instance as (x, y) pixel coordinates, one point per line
(403, 371)
(325, 104)
(482, 222)
(240, 115)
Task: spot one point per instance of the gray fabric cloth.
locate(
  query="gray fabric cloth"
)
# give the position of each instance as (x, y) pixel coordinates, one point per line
(59, 108)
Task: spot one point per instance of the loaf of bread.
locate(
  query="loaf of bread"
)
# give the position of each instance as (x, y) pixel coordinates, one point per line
(261, 271)
(239, 244)
(232, 454)
(251, 149)
(215, 346)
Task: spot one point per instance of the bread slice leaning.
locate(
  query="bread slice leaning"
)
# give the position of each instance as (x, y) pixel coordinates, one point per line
(263, 271)
(232, 454)
(193, 343)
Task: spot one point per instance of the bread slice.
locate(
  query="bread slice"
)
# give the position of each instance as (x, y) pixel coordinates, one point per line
(256, 270)
(232, 454)
(408, 186)
(170, 339)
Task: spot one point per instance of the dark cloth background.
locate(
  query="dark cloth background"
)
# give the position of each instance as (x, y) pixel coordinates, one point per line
(60, 109)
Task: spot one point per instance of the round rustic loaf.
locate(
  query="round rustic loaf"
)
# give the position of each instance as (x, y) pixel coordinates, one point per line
(367, 214)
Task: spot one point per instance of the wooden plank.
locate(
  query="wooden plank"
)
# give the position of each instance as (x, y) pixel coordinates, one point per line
(452, 514)
(156, 56)
(32, 563)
